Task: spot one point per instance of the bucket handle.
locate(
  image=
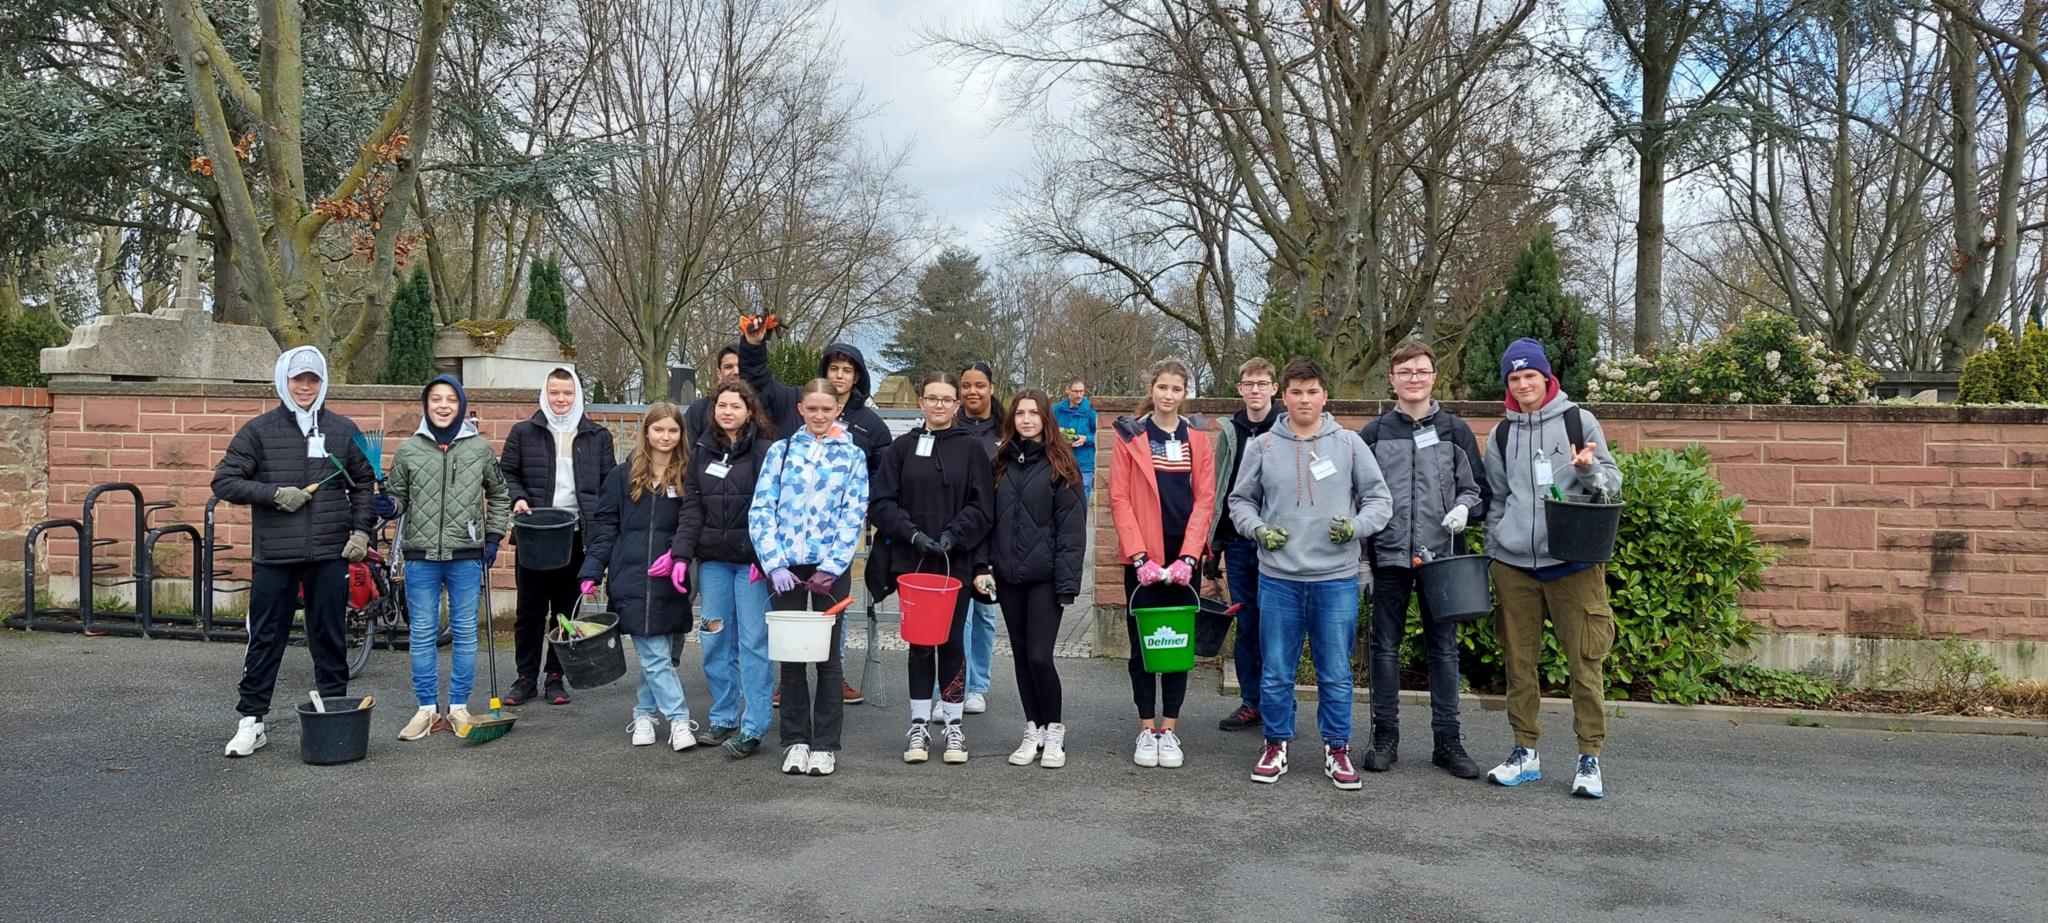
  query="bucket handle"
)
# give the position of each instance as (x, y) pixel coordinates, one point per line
(1131, 604)
(945, 563)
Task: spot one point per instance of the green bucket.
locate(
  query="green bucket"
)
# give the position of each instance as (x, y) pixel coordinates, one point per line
(1166, 634)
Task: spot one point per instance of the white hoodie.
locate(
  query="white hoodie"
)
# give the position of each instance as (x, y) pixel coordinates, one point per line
(563, 427)
(293, 363)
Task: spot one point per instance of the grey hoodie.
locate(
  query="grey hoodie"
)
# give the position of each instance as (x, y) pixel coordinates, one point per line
(1515, 531)
(1276, 485)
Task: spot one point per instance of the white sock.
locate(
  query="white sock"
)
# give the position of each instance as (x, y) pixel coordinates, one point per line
(429, 709)
(920, 709)
(951, 710)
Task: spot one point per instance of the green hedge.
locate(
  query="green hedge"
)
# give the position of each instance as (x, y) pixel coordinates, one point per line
(23, 337)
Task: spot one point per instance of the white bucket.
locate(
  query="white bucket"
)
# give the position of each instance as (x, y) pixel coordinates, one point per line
(798, 636)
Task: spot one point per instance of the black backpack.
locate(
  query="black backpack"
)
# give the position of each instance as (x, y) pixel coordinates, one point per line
(1574, 430)
(1372, 430)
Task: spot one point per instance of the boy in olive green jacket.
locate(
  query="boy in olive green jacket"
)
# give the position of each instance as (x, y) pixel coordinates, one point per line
(446, 483)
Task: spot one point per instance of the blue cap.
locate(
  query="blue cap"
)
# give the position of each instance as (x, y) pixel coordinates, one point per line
(1525, 353)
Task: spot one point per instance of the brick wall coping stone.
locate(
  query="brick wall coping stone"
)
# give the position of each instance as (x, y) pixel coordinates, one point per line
(1768, 413)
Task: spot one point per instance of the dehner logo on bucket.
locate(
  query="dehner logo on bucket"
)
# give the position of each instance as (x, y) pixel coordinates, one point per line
(1165, 639)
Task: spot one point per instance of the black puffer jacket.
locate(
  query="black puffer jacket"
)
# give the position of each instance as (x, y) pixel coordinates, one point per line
(862, 423)
(1040, 529)
(528, 461)
(269, 452)
(949, 491)
(987, 430)
(622, 537)
(712, 525)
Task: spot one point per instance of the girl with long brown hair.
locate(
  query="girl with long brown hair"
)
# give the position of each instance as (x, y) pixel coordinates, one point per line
(1036, 553)
(636, 515)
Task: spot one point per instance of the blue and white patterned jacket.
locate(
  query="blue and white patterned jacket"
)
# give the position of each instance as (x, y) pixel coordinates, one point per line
(811, 502)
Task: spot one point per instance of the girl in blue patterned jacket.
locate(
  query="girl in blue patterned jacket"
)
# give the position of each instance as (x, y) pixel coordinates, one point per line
(810, 504)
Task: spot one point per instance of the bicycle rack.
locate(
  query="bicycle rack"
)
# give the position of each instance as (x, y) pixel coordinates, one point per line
(89, 619)
(145, 587)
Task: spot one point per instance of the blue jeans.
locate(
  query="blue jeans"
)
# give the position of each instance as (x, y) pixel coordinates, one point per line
(981, 644)
(736, 663)
(1325, 612)
(1088, 482)
(424, 581)
(661, 688)
(1241, 572)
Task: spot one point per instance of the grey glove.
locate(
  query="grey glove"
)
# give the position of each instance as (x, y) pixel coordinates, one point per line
(357, 548)
(290, 498)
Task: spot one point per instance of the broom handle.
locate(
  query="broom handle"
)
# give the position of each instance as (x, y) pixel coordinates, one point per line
(490, 637)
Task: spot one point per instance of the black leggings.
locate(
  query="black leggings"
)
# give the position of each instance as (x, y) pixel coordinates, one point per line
(543, 594)
(928, 663)
(1032, 612)
(813, 717)
(1172, 687)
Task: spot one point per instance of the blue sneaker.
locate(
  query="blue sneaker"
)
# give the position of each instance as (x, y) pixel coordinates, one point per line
(1586, 783)
(1521, 766)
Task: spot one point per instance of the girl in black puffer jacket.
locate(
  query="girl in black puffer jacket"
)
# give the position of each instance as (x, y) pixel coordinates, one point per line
(712, 530)
(1036, 552)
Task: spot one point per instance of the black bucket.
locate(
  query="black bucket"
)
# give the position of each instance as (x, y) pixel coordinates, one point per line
(1455, 589)
(546, 538)
(1581, 532)
(339, 735)
(594, 661)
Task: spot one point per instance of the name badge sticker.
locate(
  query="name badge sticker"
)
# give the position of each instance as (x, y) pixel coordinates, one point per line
(718, 469)
(1545, 475)
(1173, 450)
(1427, 438)
(316, 446)
(1321, 468)
(924, 446)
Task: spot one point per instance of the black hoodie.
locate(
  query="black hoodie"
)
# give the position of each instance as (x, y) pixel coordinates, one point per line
(952, 490)
(862, 423)
(712, 524)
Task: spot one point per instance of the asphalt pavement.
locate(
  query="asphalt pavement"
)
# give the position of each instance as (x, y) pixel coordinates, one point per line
(119, 806)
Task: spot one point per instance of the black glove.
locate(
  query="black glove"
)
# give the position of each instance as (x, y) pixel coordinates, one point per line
(924, 543)
(384, 505)
(1066, 599)
(945, 543)
(1212, 567)
(490, 550)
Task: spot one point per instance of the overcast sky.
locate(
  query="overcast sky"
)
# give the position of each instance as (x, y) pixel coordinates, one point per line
(959, 156)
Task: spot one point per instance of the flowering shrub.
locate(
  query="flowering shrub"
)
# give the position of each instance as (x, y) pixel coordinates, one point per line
(1763, 359)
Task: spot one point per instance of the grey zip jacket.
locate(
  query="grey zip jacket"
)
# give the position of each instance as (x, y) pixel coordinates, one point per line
(1277, 485)
(1515, 532)
(1425, 483)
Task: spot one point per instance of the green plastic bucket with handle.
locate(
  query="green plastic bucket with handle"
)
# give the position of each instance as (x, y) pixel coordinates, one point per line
(1166, 634)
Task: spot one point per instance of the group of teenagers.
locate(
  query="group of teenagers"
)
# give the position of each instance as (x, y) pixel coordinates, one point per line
(759, 496)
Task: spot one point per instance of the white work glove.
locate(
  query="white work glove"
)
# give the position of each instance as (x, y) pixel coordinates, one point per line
(1454, 521)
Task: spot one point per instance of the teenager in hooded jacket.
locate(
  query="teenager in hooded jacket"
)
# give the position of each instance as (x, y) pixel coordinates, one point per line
(557, 459)
(981, 416)
(1036, 552)
(711, 531)
(935, 498)
(446, 482)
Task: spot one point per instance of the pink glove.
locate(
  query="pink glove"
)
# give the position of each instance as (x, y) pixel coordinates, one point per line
(675, 577)
(753, 573)
(1180, 572)
(1150, 573)
(662, 565)
(587, 587)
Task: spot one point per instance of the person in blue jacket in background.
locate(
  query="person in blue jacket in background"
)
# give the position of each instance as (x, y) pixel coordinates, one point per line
(1076, 418)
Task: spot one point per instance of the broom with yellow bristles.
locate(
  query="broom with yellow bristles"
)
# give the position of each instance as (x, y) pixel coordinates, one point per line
(497, 724)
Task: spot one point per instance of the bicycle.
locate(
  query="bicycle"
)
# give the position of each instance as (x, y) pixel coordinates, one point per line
(376, 606)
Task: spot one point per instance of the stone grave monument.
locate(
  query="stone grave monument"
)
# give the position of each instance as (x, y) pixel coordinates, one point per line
(179, 343)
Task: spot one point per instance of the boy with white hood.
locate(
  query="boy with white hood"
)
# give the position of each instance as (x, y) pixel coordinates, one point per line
(305, 530)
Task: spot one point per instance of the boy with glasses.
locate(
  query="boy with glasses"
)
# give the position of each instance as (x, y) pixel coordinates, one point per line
(1431, 462)
(1240, 555)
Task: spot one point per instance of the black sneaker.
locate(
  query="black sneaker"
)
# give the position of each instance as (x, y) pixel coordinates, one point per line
(1386, 750)
(556, 693)
(522, 690)
(715, 735)
(1244, 717)
(741, 746)
(1450, 756)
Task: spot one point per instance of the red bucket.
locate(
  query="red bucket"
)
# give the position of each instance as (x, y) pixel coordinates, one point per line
(928, 601)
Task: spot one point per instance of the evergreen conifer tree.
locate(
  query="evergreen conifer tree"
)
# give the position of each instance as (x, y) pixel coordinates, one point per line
(1534, 304)
(410, 360)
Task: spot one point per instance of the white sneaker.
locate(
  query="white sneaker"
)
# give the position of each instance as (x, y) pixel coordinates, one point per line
(1028, 750)
(976, 703)
(1054, 737)
(458, 718)
(796, 759)
(249, 737)
(823, 762)
(1147, 754)
(1521, 766)
(682, 734)
(643, 730)
(1586, 782)
(1169, 750)
(422, 724)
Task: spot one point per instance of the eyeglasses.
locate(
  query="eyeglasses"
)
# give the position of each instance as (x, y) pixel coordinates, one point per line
(1413, 375)
(939, 401)
(1250, 385)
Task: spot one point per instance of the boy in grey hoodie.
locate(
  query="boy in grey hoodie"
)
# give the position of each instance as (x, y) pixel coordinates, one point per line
(1534, 456)
(1308, 491)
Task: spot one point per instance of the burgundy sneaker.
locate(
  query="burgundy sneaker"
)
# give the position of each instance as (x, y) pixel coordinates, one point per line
(1272, 762)
(1337, 765)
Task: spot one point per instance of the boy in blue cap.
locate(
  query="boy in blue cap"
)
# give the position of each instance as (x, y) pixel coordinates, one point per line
(1547, 443)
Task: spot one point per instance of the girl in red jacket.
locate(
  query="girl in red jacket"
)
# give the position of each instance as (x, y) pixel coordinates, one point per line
(1162, 492)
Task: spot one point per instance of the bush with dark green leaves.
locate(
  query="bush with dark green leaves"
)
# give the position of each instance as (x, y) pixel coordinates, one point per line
(2007, 370)
(1681, 557)
(23, 337)
(1533, 304)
